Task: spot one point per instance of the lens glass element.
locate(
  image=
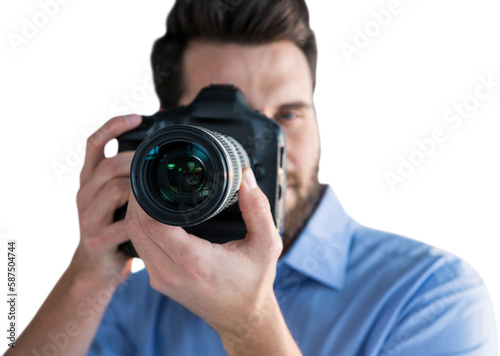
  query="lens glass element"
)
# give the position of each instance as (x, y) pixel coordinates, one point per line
(179, 171)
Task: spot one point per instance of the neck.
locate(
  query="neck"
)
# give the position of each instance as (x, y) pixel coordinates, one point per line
(298, 217)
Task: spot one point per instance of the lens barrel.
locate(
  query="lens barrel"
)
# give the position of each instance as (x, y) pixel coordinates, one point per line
(182, 175)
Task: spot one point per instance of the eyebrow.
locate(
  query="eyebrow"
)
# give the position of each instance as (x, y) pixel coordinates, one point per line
(295, 105)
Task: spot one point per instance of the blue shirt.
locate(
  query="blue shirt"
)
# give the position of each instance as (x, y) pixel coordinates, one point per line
(344, 289)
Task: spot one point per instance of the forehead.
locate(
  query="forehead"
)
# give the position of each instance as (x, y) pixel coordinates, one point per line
(269, 75)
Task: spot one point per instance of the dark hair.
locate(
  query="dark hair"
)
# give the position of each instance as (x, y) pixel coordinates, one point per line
(237, 21)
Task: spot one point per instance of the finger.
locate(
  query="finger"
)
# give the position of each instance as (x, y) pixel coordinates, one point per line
(256, 212)
(113, 195)
(146, 247)
(106, 239)
(114, 235)
(167, 251)
(107, 170)
(162, 240)
(96, 142)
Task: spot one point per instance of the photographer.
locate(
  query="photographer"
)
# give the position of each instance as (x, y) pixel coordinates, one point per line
(327, 286)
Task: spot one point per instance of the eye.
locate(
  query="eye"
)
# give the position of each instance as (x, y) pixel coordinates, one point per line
(285, 116)
(288, 115)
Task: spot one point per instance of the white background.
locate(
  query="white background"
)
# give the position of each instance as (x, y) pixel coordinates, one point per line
(71, 75)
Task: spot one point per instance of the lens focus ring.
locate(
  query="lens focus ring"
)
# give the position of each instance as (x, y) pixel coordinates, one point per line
(242, 161)
(237, 159)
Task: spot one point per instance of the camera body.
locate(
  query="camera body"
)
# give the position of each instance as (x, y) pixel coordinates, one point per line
(218, 109)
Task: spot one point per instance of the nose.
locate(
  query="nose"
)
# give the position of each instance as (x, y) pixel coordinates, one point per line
(267, 112)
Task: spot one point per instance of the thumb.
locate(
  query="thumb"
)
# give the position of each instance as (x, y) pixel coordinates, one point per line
(256, 212)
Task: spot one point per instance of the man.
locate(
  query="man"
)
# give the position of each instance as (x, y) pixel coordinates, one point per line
(328, 286)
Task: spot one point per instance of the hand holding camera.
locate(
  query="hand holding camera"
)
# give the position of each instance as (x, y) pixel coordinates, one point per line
(221, 283)
(104, 186)
(188, 164)
(190, 167)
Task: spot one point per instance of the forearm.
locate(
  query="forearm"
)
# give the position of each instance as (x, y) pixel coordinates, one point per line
(69, 317)
(261, 333)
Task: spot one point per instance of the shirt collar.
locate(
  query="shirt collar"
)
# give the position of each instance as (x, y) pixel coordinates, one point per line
(321, 251)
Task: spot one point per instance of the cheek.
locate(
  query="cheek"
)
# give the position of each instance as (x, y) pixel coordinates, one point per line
(303, 151)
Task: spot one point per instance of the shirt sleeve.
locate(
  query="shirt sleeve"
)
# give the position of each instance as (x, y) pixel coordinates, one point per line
(111, 338)
(450, 314)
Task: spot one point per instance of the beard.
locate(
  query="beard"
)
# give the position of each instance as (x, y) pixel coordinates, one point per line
(305, 204)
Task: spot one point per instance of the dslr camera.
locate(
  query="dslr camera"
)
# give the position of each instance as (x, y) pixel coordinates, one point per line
(188, 163)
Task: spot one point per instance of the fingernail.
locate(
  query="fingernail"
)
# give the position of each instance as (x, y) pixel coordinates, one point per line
(250, 179)
(133, 119)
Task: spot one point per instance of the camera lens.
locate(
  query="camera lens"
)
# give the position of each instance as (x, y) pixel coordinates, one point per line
(179, 174)
(183, 175)
(193, 173)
